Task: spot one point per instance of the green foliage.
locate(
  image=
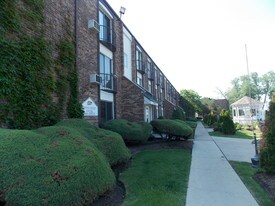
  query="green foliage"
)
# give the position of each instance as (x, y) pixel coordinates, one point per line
(247, 173)
(192, 124)
(157, 177)
(226, 123)
(267, 157)
(109, 143)
(9, 20)
(210, 119)
(178, 114)
(195, 100)
(67, 60)
(27, 83)
(51, 166)
(175, 128)
(29, 78)
(260, 85)
(187, 107)
(130, 131)
(238, 126)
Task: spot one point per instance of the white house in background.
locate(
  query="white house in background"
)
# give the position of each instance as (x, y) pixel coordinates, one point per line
(245, 107)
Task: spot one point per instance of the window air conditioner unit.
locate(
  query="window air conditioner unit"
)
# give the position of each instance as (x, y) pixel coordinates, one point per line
(92, 24)
(95, 79)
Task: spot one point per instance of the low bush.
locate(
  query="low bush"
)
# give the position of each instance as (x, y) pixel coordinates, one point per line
(174, 128)
(130, 131)
(238, 126)
(193, 125)
(226, 123)
(51, 166)
(178, 114)
(109, 143)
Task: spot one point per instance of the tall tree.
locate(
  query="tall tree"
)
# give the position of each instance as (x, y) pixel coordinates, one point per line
(268, 84)
(259, 86)
(194, 99)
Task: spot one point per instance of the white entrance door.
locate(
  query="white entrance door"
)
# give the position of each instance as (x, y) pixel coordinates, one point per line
(148, 113)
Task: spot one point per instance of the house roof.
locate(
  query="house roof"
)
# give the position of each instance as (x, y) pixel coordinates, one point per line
(246, 101)
(222, 103)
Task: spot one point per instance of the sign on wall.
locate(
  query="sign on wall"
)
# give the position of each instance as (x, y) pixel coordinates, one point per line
(90, 108)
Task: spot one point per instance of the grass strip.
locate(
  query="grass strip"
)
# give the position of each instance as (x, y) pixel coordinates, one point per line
(243, 134)
(246, 173)
(157, 177)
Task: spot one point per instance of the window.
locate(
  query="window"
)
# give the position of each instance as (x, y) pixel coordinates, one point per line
(241, 112)
(156, 74)
(106, 70)
(105, 27)
(138, 59)
(234, 112)
(106, 111)
(253, 112)
(139, 79)
(156, 91)
(150, 86)
(149, 68)
(157, 112)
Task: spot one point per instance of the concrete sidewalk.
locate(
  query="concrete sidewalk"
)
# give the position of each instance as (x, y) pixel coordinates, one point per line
(212, 181)
(236, 149)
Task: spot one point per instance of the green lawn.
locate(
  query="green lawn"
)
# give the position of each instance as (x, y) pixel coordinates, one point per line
(246, 172)
(245, 134)
(157, 177)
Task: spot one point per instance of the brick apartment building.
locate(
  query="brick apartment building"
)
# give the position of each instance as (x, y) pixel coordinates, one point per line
(117, 78)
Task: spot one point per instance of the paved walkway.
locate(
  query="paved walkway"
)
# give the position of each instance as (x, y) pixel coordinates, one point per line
(212, 181)
(236, 149)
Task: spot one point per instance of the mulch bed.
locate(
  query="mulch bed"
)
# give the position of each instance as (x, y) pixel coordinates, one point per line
(267, 181)
(116, 196)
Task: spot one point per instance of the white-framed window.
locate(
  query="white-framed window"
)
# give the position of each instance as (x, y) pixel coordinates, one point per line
(150, 86)
(139, 79)
(156, 91)
(149, 69)
(241, 112)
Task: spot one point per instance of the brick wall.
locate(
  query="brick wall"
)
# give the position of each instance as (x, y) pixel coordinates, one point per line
(168, 108)
(118, 65)
(87, 51)
(132, 101)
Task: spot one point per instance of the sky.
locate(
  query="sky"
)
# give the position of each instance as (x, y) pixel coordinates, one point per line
(200, 44)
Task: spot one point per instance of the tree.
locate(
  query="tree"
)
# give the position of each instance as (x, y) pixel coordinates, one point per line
(187, 107)
(268, 84)
(194, 99)
(267, 157)
(259, 86)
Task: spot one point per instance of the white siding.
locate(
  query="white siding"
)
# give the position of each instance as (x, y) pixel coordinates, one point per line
(127, 48)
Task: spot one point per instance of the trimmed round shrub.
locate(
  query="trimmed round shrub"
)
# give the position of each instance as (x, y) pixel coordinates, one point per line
(109, 143)
(51, 166)
(176, 128)
(178, 114)
(193, 125)
(130, 131)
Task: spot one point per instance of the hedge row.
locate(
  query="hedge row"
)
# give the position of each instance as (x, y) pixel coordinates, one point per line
(173, 128)
(66, 164)
(130, 131)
